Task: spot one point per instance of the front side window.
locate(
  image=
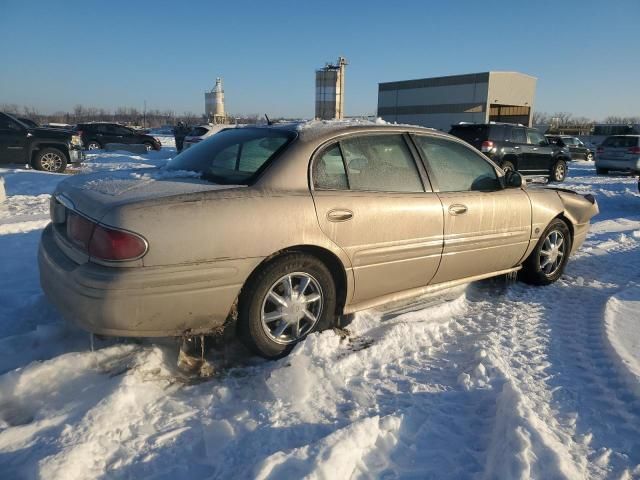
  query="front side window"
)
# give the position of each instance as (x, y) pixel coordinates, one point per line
(536, 138)
(381, 163)
(456, 167)
(233, 156)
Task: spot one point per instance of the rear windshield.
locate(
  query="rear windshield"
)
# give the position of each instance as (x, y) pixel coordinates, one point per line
(235, 156)
(621, 142)
(198, 131)
(471, 133)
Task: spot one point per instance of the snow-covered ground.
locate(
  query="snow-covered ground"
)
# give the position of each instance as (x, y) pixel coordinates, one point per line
(494, 380)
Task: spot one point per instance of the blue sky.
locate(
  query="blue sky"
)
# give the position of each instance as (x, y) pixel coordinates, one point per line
(54, 55)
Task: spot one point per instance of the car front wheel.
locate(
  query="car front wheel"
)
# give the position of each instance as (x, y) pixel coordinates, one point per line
(50, 160)
(590, 156)
(549, 258)
(286, 300)
(559, 171)
(94, 145)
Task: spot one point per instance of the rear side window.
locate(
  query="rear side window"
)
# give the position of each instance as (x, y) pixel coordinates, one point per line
(620, 142)
(381, 163)
(456, 167)
(536, 138)
(198, 131)
(518, 135)
(329, 172)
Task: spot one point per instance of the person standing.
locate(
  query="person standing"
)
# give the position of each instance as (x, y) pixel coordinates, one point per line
(179, 132)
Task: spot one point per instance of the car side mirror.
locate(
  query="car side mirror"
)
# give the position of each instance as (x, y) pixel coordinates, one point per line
(514, 179)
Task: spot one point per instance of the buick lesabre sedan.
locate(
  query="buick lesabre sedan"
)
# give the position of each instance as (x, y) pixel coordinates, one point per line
(284, 228)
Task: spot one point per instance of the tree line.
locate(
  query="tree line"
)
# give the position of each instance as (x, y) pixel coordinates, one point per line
(568, 119)
(123, 115)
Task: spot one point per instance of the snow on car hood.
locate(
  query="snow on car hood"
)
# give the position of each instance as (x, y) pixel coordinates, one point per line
(95, 193)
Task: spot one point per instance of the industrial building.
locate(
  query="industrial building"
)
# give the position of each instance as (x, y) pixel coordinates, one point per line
(330, 91)
(214, 104)
(440, 102)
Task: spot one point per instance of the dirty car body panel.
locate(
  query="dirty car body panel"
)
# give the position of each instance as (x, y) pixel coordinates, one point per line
(203, 239)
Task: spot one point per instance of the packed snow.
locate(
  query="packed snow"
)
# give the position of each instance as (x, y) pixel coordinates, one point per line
(493, 380)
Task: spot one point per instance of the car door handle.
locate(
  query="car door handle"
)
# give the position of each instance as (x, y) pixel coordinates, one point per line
(339, 215)
(457, 209)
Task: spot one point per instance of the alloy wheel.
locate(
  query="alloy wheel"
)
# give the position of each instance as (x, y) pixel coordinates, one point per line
(51, 162)
(292, 307)
(93, 146)
(560, 171)
(552, 252)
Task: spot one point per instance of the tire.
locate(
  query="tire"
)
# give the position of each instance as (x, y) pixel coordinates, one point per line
(602, 171)
(94, 145)
(149, 146)
(534, 270)
(589, 157)
(50, 160)
(508, 166)
(276, 337)
(558, 172)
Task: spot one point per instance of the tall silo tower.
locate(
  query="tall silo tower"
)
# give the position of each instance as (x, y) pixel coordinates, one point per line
(214, 103)
(330, 90)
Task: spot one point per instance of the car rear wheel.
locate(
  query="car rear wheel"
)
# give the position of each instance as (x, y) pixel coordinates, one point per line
(590, 156)
(549, 258)
(559, 171)
(148, 146)
(601, 171)
(94, 145)
(286, 300)
(50, 160)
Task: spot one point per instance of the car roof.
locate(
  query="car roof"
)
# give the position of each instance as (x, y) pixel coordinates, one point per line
(322, 130)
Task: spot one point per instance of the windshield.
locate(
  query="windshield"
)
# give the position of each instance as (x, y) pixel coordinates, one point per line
(234, 156)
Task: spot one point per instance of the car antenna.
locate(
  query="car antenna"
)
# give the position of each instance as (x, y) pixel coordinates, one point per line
(269, 122)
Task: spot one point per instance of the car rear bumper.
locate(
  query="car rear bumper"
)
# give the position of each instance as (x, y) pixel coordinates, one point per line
(143, 301)
(627, 165)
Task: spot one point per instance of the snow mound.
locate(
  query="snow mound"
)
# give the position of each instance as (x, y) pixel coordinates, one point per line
(622, 330)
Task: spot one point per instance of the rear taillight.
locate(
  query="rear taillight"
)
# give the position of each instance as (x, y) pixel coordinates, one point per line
(487, 146)
(79, 230)
(116, 245)
(102, 242)
(634, 150)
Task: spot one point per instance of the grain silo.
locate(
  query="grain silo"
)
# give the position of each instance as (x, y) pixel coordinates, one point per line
(214, 103)
(330, 91)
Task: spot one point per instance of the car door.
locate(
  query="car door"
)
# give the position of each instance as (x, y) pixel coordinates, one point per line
(126, 135)
(539, 157)
(486, 227)
(374, 201)
(13, 141)
(518, 142)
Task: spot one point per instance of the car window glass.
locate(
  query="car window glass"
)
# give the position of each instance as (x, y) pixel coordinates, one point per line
(518, 135)
(536, 138)
(620, 142)
(8, 124)
(328, 170)
(456, 167)
(123, 131)
(381, 163)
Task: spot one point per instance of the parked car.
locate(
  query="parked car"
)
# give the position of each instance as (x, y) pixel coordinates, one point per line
(577, 149)
(515, 147)
(45, 149)
(96, 135)
(200, 133)
(28, 122)
(292, 226)
(620, 153)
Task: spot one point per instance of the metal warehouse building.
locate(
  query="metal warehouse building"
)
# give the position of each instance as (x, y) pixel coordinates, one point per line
(440, 102)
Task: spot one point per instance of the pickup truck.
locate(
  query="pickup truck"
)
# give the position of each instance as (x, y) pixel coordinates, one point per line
(46, 149)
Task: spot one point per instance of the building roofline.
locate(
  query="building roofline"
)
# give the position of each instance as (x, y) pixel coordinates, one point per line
(447, 80)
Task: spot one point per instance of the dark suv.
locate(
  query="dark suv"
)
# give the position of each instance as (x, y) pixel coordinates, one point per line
(45, 149)
(515, 147)
(577, 149)
(96, 135)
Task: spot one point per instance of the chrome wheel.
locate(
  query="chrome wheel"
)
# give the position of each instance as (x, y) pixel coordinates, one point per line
(292, 307)
(560, 171)
(93, 146)
(552, 252)
(51, 162)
